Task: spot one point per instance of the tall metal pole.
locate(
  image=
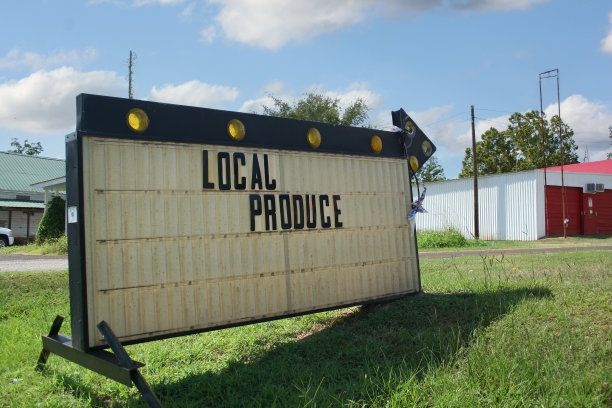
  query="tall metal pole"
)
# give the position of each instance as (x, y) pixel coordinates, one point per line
(554, 73)
(547, 232)
(130, 73)
(475, 171)
(561, 140)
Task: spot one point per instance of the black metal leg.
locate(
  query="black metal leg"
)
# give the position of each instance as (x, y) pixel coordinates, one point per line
(44, 354)
(145, 390)
(125, 361)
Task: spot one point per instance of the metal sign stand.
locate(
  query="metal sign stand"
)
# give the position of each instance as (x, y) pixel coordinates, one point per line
(118, 366)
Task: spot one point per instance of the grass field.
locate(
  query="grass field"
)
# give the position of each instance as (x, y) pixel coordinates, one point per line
(529, 330)
(427, 240)
(451, 239)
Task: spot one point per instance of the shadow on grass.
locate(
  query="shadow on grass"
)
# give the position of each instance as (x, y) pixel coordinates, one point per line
(361, 357)
(358, 358)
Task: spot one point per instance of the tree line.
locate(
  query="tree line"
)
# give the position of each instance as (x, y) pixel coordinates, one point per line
(519, 146)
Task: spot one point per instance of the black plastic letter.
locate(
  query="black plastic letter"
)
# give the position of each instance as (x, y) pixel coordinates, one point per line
(224, 157)
(207, 183)
(239, 184)
(255, 204)
(325, 220)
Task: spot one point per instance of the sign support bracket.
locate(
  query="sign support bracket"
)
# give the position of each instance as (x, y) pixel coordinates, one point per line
(117, 366)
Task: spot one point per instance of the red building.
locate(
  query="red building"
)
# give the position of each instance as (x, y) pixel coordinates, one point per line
(588, 199)
(523, 205)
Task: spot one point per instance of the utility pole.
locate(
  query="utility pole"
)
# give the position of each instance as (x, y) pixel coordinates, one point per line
(131, 72)
(561, 141)
(475, 171)
(547, 232)
(553, 73)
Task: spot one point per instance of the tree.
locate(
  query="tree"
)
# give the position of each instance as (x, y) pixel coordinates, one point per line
(320, 108)
(53, 221)
(431, 171)
(495, 155)
(27, 148)
(519, 147)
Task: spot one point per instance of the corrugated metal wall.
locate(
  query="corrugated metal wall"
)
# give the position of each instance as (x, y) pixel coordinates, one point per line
(508, 207)
(511, 205)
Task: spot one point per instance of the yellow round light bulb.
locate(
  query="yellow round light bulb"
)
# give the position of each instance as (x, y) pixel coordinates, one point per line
(427, 148)
(313, 137)
(414, 163)
(137, 120)
(236, 129)
(376, 144)
(409, 126)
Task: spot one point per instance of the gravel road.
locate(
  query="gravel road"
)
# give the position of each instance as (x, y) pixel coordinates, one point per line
(11, 263)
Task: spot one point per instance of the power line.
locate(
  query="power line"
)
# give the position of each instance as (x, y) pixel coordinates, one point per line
(492, 121)
(445, 119)
(496, 110)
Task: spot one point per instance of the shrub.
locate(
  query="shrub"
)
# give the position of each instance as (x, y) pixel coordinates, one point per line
(56, 246)
(448, 238)
(53, 222)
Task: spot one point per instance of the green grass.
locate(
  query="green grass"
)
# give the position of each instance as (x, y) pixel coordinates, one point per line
(523, 330)
(448, 238)
(58, 246)
(452, 239)
(427, 240)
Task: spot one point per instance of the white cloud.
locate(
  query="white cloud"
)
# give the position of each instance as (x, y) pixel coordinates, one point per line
(482, 125)
(256, 105)
(138, 3)
(444, 130)
(494, 4)
(353, 92)
(275, 88)
(395, 7)
(346, 96)
(187, 12)
(44, 102)
(207, 35)
(589, 121)
(274, 23)
(606, 43)
(16, 59)
(194, 93)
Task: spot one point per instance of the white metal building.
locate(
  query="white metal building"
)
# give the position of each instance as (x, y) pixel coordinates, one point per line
(511, 205)
(22, 201)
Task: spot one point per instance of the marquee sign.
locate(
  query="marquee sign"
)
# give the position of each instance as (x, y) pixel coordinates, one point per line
(188, 219)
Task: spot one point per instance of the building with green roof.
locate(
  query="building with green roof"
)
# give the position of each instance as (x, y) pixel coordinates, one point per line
(24, 185)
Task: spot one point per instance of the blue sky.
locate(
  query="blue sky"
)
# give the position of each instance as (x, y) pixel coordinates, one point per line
(434, 58)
